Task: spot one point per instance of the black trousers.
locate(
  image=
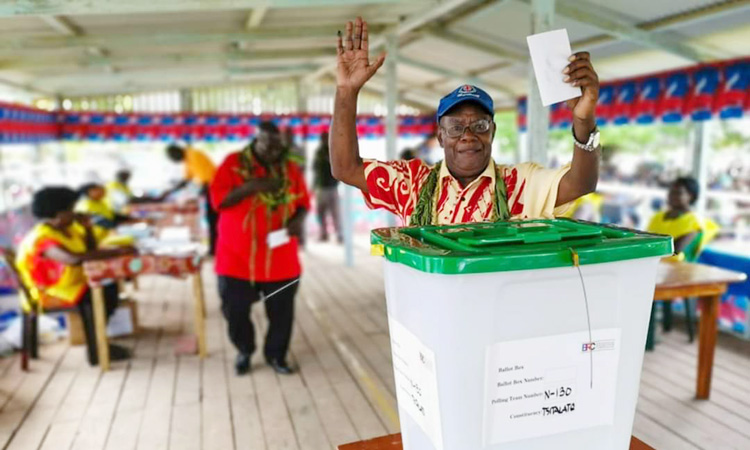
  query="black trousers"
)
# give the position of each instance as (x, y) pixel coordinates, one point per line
(238, 295)
(86, 310)
(212, 217)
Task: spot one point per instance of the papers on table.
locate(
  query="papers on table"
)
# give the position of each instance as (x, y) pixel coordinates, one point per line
(174, 241)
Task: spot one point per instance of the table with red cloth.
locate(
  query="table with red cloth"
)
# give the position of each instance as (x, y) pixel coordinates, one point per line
(127, 267)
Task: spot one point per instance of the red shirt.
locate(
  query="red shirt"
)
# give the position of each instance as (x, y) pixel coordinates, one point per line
(247, 223)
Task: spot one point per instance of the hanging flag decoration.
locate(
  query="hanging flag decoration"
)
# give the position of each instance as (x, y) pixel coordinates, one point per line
(673, 102)
(733, 96)
(702, 92)
(20, 123)
(25, 124)
(210, 127)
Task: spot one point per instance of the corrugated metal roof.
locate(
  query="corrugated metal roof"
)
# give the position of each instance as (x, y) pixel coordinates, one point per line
(84, 54)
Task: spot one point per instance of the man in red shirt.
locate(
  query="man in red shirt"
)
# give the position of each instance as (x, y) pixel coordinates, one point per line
(259, 192)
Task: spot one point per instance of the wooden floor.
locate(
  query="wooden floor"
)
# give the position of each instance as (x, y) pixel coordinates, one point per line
(343, 391)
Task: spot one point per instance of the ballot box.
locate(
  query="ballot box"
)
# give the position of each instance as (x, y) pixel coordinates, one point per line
(518, 335)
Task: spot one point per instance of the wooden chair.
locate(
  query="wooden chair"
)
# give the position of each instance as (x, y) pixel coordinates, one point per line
(30, 311)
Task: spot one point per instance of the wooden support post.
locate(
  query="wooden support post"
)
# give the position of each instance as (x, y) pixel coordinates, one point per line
(100, 326)
(199, 313)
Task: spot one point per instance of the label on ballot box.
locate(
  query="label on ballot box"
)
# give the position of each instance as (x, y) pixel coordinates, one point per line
(554, 384)
(416, 381)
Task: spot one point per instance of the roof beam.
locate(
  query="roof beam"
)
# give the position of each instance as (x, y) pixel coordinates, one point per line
(64, 27)
(615, 25)
(256, 17)
(272, 69)
(87, 82)
(410, 23)
(676, 20)
(26, 44)
(455, 75)
(408, 98)
(61, 25)
(142, 86)
(80, 7)
(465, 41)
(28, 87)
(161, 59)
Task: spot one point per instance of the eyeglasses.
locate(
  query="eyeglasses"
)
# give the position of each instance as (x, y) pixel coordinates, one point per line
(458, 129)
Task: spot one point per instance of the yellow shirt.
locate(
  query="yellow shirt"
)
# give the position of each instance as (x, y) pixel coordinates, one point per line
(199, 167)
(48, 279)
(118, 196)
(681, 226)
(531, 191)
(116, 186)
(91, 207)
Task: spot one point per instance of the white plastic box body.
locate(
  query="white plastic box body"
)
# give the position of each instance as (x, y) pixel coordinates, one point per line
(459, 316)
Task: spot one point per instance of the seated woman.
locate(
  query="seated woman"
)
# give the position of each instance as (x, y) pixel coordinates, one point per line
(50, 256)
(690, 232)
(93, 203)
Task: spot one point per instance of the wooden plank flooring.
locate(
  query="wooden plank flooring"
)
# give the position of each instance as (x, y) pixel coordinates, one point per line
(342, 392)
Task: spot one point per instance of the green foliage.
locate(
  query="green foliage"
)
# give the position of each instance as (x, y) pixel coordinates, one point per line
(506, 133)
(732, 137)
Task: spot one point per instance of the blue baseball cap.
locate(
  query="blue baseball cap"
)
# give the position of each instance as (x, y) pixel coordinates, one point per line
(465, 93)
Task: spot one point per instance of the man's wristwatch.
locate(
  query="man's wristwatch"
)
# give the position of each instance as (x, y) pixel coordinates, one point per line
(589, 145)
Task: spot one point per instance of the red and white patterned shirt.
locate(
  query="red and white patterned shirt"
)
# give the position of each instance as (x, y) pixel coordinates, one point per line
(531, 191)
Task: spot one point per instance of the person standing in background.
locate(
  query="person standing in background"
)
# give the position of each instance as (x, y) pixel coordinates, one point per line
(326, 190)
(263, 200)
(200, 170)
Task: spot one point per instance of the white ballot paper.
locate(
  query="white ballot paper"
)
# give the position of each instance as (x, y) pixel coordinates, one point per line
(549, 55)
(277, 238)
(415, 377)
(542, 386)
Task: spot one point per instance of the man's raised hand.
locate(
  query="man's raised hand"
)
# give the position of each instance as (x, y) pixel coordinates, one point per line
(353, 67)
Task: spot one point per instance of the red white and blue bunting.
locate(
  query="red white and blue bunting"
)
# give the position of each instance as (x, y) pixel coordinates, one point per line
(719, 90)
(24, 124)
(20, 123)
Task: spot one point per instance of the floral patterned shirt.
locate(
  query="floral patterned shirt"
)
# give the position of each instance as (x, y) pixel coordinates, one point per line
(531, 191)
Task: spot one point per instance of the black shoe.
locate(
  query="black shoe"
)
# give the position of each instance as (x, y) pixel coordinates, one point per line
(242, 364)
(118, 353)
(280, 366)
